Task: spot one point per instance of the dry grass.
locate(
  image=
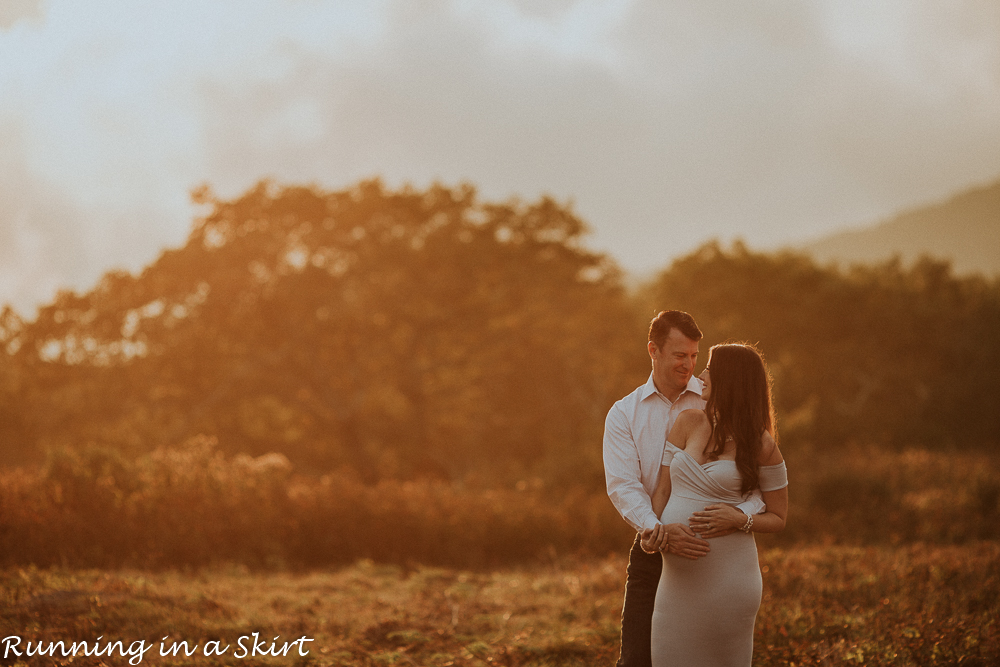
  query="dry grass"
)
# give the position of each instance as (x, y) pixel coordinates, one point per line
(916, 605)
(193, 507)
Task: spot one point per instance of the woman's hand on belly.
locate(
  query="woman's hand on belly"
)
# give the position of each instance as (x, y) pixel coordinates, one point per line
(717, 520)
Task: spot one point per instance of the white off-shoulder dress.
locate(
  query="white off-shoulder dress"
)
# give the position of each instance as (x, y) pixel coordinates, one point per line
(705, 609)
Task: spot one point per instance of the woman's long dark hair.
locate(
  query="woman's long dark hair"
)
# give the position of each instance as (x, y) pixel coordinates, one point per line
(739, 406)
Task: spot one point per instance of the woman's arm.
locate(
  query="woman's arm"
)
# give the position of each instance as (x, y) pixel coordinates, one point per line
(679, 435)
(678, 538)
(675, 537)
(720, 519)
(773, 520)
(662, 493)
(657, 539)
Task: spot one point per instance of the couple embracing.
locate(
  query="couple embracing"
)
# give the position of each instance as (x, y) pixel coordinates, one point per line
(693, 465)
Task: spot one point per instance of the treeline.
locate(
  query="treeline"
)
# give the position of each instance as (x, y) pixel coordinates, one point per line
(421, 376)
(884, 355)
(429, 335)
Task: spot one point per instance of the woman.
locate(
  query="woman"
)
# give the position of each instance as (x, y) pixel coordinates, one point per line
(705, 608)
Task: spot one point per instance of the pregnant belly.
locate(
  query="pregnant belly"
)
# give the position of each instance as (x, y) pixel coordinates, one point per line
(680, 509)
(727, 579)
(738, 550)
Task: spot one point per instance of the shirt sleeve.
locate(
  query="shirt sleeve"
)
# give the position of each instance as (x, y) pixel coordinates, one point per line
(753, 505)
(623, 473)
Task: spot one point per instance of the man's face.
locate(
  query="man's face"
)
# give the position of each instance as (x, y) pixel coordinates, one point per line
(673, 363)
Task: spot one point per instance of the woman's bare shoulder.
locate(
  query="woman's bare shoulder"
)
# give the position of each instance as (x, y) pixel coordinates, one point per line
(770, 455)
(687, 424)
(692, 418)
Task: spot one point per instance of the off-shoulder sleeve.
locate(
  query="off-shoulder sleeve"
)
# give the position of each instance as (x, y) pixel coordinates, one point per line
(773, 477)
(668, 453)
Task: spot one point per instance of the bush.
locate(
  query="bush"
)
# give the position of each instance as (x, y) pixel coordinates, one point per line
(193, 506)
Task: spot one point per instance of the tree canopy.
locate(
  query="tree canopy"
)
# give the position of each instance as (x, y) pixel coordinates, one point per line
(872, 354)
(428, 334)
(396, 333)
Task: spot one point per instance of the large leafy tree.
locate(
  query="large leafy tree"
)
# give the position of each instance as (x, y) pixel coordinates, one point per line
(399, 333)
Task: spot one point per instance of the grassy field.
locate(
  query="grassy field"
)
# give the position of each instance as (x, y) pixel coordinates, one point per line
(913, 605)
(194, 507)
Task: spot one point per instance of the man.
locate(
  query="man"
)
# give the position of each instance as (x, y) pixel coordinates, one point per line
(634, 434)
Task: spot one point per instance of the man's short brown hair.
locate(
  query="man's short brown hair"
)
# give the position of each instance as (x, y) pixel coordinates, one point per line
(659, 328)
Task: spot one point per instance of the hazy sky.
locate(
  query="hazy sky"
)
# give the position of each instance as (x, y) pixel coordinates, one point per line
(664, 123)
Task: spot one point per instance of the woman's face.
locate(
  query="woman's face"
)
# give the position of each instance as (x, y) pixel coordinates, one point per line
(706, 384)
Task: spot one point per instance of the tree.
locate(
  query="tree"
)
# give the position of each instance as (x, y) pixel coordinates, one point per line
(399, 333)
(872, 354)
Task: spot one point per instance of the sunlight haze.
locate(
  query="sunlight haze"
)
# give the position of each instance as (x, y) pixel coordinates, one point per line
(665, 124)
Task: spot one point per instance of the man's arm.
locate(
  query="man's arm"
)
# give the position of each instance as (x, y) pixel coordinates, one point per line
(622, 473)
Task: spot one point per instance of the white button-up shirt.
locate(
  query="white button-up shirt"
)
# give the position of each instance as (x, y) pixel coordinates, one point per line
(634, 435)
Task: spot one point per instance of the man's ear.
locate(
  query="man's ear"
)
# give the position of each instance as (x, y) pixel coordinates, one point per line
(651, 346)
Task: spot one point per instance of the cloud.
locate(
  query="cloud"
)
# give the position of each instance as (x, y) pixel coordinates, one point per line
(666, 123)
(769, 122)
(14, 11)
(39, 252)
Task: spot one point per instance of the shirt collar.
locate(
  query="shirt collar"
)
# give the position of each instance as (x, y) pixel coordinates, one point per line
(648, 389)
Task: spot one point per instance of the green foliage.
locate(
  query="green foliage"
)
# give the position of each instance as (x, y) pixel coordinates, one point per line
(879, 354)
(414, 334)
(401, 334)
(421, 376)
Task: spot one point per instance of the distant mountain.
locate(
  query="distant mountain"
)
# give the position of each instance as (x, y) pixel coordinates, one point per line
(965, 229)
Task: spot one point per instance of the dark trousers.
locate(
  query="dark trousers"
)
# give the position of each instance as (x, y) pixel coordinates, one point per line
(637, 612)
